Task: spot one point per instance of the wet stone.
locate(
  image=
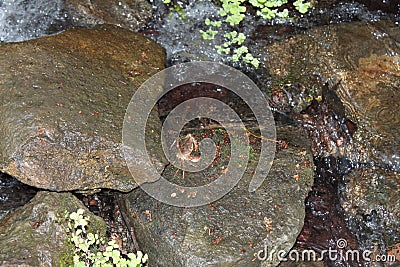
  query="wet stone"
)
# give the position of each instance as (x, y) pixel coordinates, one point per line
(366, 66)
(35, 235)
(232, 230)
(63, 100)
(129, 14)
(360, 61)
(371, 200)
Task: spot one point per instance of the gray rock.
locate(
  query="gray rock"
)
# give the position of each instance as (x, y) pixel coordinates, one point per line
(231, 230)
(129, 14)
(35, 234)
(63, 100)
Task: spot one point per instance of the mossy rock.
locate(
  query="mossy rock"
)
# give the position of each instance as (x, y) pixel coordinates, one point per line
(36, 234)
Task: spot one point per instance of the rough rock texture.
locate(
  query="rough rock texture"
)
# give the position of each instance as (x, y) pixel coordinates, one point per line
(33, 235)
(129, 14)
(63, 100)
(363, 58)
(371, 201)
(229, 231)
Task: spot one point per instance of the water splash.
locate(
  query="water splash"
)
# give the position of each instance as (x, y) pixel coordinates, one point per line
(181, 36)
(28, 19)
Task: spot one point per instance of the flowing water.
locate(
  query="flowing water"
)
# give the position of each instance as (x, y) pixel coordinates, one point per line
(28, 19)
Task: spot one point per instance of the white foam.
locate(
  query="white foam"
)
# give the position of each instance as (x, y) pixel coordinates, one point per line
(28, 19)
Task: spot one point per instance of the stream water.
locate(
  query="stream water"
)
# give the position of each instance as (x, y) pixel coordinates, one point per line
(22, 20)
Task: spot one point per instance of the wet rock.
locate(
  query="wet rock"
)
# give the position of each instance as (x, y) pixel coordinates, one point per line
(232, 230)
(390, 6)
(326, 124)
(365, 64)
(324, 225)
(362, 60)
(129, 14)
(34, 235)
(63, 100)
(371, 200)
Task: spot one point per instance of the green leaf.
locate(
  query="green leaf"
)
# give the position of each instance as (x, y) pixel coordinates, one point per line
(132, 256)
(301, 6)
(241, 9)
(248, 58)
(235, 57)
(84, 247)
(255, 3)
(209, 34)
(80, 211)
(207, 21)
(216, 23)
(81, 222)
(78, 231)
(230, 35)
(241, 50)
(145, 258)
(255, 63)
(267, 13)
(283, 14)
(115, 256)
(227, 44)
(234, 19)
(222, 13)
(74, 216)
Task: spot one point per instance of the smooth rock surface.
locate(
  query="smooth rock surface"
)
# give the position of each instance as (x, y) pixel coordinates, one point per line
(36, 235)
(229, 231)
(63, 100)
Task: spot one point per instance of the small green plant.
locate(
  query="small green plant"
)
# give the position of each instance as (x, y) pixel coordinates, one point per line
(175, 8)
(233, 12)
(90, 250)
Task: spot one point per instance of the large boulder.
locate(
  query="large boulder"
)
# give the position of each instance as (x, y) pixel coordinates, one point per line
(234, 229)
(63, 100)
(36, 234)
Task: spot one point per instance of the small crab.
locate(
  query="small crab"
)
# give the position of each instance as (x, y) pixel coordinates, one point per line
(186, 147)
